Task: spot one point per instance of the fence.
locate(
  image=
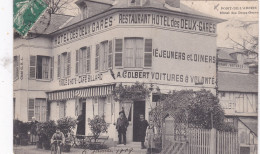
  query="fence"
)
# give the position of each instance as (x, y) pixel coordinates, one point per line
(227, 143)
(202, 141)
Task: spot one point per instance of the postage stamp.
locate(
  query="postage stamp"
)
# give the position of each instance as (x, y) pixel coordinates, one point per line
(26, 13)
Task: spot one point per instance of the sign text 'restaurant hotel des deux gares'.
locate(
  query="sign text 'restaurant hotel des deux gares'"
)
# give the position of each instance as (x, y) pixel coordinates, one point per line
(150, 19)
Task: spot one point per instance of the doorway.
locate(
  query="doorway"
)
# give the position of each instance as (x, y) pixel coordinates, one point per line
(139, 108)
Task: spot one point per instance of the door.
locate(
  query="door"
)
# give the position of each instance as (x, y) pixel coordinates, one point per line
(139, 108)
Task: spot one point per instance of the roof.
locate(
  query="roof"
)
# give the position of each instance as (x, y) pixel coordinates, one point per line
(49, 23)
(224, 55)
(159, 4)
(250, 124)
(237, 82)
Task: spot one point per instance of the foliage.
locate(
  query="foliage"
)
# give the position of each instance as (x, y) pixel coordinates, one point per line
(134, 92)
(46, 129)
(97, 126)
(66, 125)
(201, 107)
(20, 127)
(248, 38)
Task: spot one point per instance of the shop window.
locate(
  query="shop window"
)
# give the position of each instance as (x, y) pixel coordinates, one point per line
(135, 52)
(103, 58)
(37, 108)
(83, 61)
(64, 65)
(41, 67)
(16, 65)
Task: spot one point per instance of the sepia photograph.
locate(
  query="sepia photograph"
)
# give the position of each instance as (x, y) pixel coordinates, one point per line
(135, 77)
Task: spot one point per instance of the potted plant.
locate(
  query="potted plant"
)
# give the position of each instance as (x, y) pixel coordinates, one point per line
(45, 131)
(97, 126)
(66, 125)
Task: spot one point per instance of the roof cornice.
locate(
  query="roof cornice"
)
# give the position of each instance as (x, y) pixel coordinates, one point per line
(115, 10)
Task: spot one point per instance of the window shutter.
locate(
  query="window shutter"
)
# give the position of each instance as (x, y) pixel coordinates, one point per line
(30, 109)
(110, 54)
(88, 59)
(148, 53)
(32, 67)
(18, 67)
(68, 63)
(118, 52)
(97, 58)
(52, 68)
(59, 68)
(77, 62)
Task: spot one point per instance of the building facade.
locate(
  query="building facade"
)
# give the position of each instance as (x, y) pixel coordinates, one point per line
(238, 94)
(74, 65)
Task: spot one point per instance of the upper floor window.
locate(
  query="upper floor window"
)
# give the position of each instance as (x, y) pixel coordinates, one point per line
(135, 2)
(16, 67)
(103, 56)
(135, 52)
(41, 67)
(64, 64)
(83, 61)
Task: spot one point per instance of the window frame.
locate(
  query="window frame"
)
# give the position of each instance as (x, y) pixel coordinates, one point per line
(134, 58)
(34, 109)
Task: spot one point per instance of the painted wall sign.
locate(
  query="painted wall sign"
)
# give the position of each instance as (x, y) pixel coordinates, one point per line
(83, 30)
(167, 21)
(233, 65)
(80, 79)
(162, 20)
(163, 76)
(177, 55)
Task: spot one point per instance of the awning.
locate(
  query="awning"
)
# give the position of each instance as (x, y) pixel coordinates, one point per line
(88, 92)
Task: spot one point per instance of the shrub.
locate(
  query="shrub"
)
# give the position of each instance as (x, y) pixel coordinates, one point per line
(20, 127)
(45, 131)
(97, 126)
(66, 125)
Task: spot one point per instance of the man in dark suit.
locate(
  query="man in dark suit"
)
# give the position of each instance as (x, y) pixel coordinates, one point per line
(121, 126)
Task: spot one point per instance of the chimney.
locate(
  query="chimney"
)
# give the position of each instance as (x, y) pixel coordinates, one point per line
(173, 3)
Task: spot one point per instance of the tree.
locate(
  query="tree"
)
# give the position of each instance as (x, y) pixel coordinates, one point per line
(201, 107)
(59, 6)
(248, 38)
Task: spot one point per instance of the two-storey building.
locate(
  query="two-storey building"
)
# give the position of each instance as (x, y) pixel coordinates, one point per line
(238, 94)
(74, 65)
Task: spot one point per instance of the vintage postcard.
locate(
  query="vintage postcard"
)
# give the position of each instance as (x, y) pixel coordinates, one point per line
(135, 77)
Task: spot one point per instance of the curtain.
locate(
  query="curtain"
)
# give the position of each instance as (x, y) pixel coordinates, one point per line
(127, 108)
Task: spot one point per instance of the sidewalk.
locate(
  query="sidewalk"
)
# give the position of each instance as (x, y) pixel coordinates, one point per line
(132, 148)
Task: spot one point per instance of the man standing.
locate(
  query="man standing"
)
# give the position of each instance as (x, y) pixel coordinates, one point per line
(142, 125)
(121, 126)
(33, 131)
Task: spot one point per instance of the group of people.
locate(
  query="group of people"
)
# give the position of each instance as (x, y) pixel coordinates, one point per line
(146, 131)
